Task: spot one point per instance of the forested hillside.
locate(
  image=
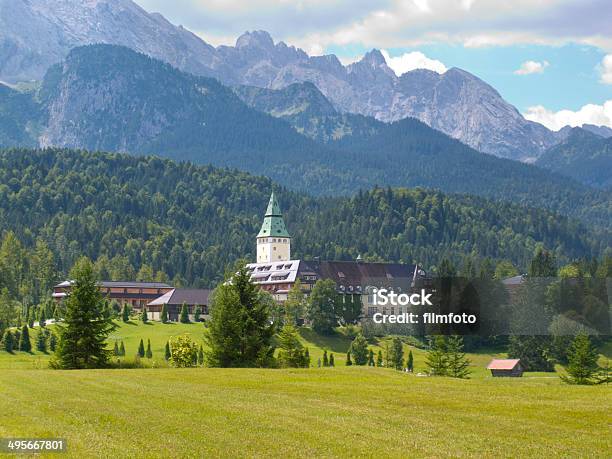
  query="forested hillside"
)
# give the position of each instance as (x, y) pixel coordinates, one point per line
(186, 223)
(583, 156)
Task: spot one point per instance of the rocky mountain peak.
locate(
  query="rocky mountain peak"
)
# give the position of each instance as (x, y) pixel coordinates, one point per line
(373, 58)
(255, 39)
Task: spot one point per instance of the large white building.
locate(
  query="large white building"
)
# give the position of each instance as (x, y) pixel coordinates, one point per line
(276, 272)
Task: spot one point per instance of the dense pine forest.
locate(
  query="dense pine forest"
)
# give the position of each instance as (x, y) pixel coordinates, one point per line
(150, 218)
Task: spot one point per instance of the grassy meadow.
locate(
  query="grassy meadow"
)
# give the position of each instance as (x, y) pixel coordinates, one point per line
(317, 412)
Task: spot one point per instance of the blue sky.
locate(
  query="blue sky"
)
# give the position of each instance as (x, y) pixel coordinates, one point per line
(552, 59)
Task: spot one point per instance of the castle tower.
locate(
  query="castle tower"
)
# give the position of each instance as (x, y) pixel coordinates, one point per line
(273, 240)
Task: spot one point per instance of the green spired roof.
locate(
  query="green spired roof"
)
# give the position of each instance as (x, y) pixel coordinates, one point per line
(273, 224)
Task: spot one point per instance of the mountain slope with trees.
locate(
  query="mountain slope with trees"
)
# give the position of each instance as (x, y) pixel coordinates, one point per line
(150, 218)
(583, 156)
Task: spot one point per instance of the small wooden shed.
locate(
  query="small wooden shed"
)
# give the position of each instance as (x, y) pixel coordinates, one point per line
(506, 367)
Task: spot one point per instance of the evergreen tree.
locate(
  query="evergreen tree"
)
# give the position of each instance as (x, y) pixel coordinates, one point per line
(307, 357)
(144, 316)
(41, 341)
(397, 354)
(457, 362)
(8, 341)
(348, 359)
(167, 353)
(331, 360)
(116, 349)
(141, 349)
(125, 313)
(196, 314)
(379, 359)
(164, 314)
(52, 342)
(437, 360)
(292, 353)
(122, 349)
(410, 362)
(239, 332)
(323, 304)
(359, 349)
(25, 344)
(371, 362)
(201, 355)
(149, 352)
(184, 318)
(325, 358)
(582, 367)
(82, 338)
(42, 318)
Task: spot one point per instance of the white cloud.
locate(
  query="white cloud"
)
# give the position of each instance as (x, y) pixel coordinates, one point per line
(411, 61)
(529, 67)
(399, 23)
(599, 115)
(606, 69)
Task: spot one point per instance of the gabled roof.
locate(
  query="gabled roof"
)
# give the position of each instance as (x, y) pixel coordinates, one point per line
(503, 364)
(179, 296)
(121, 284)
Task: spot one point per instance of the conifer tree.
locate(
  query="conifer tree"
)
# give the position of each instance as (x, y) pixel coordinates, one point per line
(8, 341)
(149, 352)
(52, 342)
(437, 361)
(184, 314)
(196, 314)
(348, 359)
(397, 354)
(582, 357)
(122, 349)
(240, 331)
(16, 338)
(371, 358)
(164, 314)
(457, 362)
(201, 355)
(291, 351)
(319, 363)
(125, 313)
(144, 316)
(25, 344)
(41, 341)
(141, 349)
(116, 349)
(379, 359)
(307, 358)
(42, 318)
(359, 349)
(82, 338)
(410, 362)
(325, 359)
(167, 353)
(332, 363)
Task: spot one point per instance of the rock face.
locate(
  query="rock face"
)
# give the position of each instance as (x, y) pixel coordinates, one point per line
(34, 34)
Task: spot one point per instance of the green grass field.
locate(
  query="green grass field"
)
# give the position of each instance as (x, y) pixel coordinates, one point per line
(326, 412)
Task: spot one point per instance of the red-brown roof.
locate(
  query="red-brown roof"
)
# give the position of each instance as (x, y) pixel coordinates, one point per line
(503, 364)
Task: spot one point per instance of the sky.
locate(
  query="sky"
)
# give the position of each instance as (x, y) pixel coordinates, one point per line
(552, 59)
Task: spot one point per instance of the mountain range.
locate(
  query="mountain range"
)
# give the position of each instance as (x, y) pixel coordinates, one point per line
(34, 34)
(107, 97)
